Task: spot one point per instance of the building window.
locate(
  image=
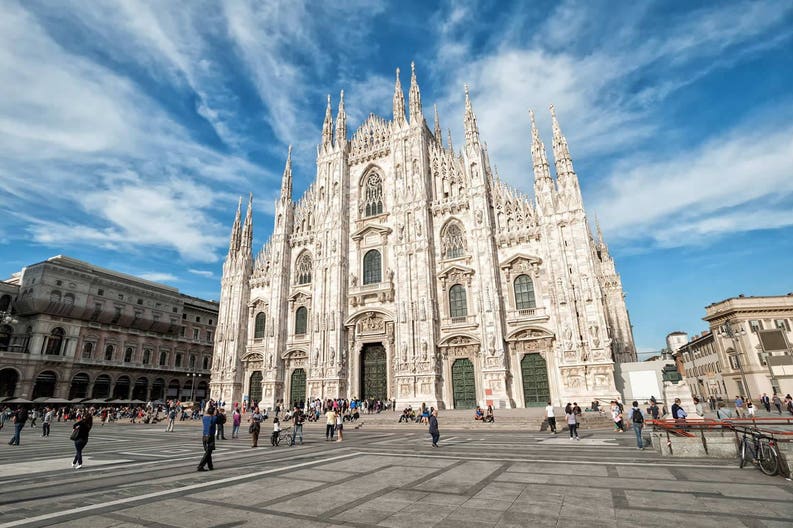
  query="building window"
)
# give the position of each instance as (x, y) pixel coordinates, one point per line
(146, 356)
(755, 325)
(116, 315)
(178, 362)
(258, 327)
(55, 296)
(5, 303)
(183, 331)
(163, 358)
(373, 195)
(453, 242)
(55, 342)
(524, 293)
(100, 291)
(209, 336)
(301, 320)
(197, 319)
(88, 348)
(195, 334)
(140, 301)
(68, 299)
(782, 324)
(206, 363)
(303, 269)
(184, 316)
(128, 355)
(210, 322)
(458, 307)
(372, 272)
(109, 353)
(192, 361)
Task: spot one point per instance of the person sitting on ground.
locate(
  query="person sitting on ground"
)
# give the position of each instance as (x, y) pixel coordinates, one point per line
(489, 417)
(478, 414)
(595, 406)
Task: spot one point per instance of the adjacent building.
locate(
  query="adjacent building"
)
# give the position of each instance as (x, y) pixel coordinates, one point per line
(409, 270)
(747, 349)
(72, 330)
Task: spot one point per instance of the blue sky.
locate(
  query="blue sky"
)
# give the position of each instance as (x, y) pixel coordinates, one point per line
(129, 129)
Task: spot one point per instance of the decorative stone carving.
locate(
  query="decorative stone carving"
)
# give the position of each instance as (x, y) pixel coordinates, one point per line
(371, 323)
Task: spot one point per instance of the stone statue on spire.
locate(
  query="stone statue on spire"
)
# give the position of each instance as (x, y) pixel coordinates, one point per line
(399, 101)
(327, 127)
(471, 128)
(416, 116)
(341, 123)
(438, 133)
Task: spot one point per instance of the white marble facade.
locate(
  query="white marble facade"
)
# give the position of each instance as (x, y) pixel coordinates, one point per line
(475, 292)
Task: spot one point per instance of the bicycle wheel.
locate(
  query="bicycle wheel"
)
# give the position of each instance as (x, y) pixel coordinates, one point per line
(769, 459)
(742, 449)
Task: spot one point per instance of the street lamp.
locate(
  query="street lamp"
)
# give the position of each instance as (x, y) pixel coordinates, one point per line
(735, 331)
(193, 376)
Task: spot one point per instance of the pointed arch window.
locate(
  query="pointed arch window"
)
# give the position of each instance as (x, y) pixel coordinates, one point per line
(458, 303)
(301, 320)
(524, 293)
(373, 195)
(372, 267)
(258, 326)
(453, 242)
(303, 268)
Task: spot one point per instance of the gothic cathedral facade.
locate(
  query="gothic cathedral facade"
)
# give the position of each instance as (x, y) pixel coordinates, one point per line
(408, 270)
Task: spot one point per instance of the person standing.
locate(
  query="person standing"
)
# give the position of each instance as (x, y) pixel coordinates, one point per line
(616, 415)
(698, 407)
(636, 418)
(739, 406)
(46, 422)
(297, 420)
(20, 417)
(777, 403)
(339, 427)
(712, 402)
(750, 409)
(551, 418)
(572, 422)
(256, 426)
(208, 439)
(221, 421)
(434, 432)
(276, 430)
(330, 424)
(766, 401)
(80, 432)
(171, 419)
(236, 420)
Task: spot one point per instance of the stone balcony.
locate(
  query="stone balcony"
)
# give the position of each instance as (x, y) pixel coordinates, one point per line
(459, 323)
(528, 315)
(379, 291)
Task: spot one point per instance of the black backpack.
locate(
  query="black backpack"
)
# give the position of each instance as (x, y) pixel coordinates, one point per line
(637, 417)
(221, 419)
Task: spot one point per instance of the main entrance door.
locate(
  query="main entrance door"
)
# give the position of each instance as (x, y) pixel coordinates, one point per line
(535, 380)
(297, 387)
(463, 384)
(255, 388)
(374, 374)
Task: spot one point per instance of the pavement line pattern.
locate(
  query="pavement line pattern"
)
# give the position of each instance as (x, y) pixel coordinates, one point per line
(103, 505)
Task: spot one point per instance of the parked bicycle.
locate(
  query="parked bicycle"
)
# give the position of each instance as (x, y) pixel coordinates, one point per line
(284, 437)
(761, 449)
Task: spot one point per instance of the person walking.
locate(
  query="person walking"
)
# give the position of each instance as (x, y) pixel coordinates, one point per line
(339, 427)
(766, 401)
(208, 439)
(636, 418)
(777, 403)
(616, 415)
(46, 422)
(434, 432)
(276, 431)
(750, 409)
(723, 412)
(572, 421)
(551, 418)
(236, 420)
(330, 424)
(297, 420)
(698, 407)
(171, 419)
(256, 426)
(739, 406)
(221, 421)
(20, 417)
(80, 432)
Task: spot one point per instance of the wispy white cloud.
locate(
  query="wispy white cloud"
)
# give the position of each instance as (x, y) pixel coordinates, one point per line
(156, 276)
(202, 273)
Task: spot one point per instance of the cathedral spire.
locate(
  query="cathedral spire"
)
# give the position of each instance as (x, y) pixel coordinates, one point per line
(399, 101)
(234, 243)
(327, 128)
(538, 156)
(246, 241)
(565, 175)
(599, 232)
(341, 123)
(415, 97)
(471, 129)
(451, 145)
(286, 180)
(438, 133)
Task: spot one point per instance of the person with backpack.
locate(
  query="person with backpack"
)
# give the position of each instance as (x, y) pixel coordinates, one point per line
(637, 422)
(171, 419)
(236, 420)
(20, 417)
(79, 436)
(221, 420)
(298, 418)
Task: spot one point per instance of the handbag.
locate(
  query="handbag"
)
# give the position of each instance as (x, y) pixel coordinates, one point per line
(75, 433)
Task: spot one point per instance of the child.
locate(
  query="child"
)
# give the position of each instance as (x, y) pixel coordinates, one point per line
(750, 409)
(276, 430)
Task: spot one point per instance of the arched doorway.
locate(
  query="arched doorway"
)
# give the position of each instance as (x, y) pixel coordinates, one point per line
(141, 389)
(101, 387)
(6, 332)
(158, 389)
(79, 386)
(121, 390)
(463, 384)
(374, 372)
(297, 387)
(44, 386)
(255, 390)
(534, 372)
(8, 382)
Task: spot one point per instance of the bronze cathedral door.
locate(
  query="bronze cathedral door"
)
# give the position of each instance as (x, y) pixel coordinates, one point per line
(374, 374)
(534, 372)
(463, 384)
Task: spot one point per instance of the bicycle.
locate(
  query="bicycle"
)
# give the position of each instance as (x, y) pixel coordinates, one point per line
(285, 437)
(761, 448)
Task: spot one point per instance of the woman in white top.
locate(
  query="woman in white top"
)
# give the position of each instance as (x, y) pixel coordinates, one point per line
(572, 421)
(339, 426)
(551, 418)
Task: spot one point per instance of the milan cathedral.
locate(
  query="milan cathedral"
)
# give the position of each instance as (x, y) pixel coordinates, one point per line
(408, 270)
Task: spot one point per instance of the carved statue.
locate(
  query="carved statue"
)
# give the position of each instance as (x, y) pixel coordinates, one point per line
(424, 350)
(353, 280)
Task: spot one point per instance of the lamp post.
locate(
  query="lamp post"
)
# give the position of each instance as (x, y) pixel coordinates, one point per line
(735, 331)
(193, 376)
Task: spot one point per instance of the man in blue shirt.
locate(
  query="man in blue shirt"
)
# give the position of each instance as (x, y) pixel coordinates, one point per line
(208, 438)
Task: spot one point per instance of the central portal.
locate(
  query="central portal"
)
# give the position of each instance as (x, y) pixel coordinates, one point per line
(374, 374)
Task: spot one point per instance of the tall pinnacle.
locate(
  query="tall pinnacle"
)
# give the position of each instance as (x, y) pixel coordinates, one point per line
(415, 97)
(598, 231)
(561, 153)
(234, 243)
(438, 132)
(246, 241)
(471, 129)
(538, 156)
(286, 179)
(399, 101)
(341, 123)
(451, 145)
(327, 127)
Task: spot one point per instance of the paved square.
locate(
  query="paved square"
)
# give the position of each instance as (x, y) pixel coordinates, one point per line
(141, 476)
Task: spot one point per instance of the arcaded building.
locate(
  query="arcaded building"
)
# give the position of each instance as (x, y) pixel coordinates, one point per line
(408, 270)
(72, 330)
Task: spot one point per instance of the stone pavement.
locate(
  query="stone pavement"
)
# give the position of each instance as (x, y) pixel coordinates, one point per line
(142, 476)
